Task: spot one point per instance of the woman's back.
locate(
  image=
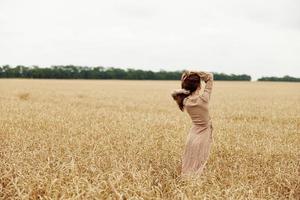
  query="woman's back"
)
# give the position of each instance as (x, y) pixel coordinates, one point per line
(197, 109)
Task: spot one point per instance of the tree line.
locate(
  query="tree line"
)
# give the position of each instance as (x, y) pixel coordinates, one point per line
(83, 72)
(285, 79)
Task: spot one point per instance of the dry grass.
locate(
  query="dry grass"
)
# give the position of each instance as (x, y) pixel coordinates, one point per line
(124, 139)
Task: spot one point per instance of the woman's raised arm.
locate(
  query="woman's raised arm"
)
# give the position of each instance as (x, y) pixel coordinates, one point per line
(208, 78)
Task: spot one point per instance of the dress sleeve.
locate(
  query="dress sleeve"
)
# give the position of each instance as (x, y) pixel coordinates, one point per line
(208, 78)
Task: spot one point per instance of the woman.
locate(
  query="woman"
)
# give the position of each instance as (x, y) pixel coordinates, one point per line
(200, 138)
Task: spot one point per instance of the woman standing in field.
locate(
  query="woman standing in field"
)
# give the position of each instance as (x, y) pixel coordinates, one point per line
(200, 138)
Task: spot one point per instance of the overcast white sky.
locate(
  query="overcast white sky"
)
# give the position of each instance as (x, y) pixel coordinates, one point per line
(256, 37)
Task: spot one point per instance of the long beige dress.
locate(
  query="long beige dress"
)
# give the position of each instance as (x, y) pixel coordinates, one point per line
(200, 138)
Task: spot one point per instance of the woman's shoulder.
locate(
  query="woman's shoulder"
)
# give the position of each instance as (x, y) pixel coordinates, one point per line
(192, 100)
(195, 99)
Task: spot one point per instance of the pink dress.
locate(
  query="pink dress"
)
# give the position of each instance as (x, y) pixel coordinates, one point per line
(199, 139)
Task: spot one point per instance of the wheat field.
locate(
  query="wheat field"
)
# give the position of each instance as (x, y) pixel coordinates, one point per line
(109, 139)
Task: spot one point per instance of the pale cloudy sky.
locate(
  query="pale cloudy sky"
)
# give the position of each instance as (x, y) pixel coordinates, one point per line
(256, 37)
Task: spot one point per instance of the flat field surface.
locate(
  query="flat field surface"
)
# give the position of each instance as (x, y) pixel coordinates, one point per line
(108, 139)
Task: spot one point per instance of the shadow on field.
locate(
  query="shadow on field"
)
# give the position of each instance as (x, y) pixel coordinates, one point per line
(24, 96)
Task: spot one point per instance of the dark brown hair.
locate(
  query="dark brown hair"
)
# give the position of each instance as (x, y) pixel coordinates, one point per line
(189, 82)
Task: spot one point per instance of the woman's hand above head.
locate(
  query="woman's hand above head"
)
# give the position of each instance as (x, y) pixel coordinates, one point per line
(205, 76)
